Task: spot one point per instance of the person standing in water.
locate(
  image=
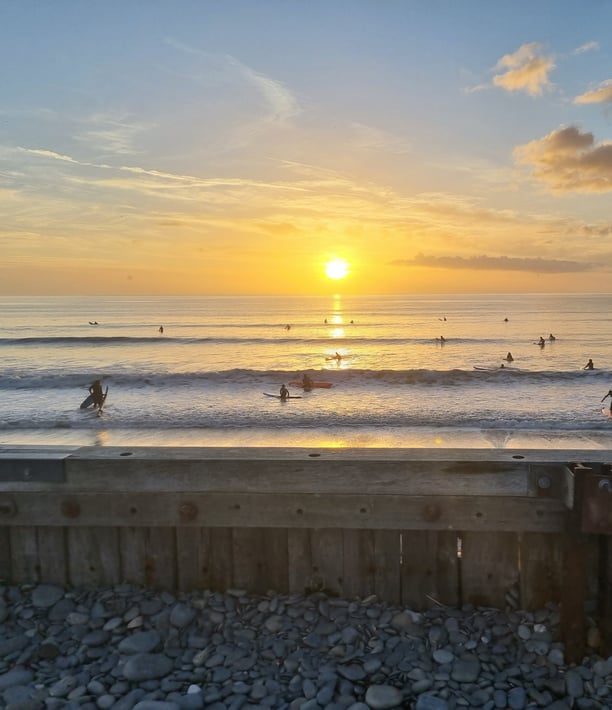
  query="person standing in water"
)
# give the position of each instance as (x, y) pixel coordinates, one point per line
(95, 390)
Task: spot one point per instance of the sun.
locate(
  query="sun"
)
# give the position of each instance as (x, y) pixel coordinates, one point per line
(336, 269)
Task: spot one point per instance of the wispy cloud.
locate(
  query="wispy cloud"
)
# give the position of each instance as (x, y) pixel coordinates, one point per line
(526, 70)
(281, 102)
(497, 263)
(587, 47)
(601, 95)
(569, 160)
(111, 134)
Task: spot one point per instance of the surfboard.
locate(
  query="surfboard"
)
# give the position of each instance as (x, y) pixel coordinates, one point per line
(88, 401)
(606, 412)
(291, 396)
(299, 383)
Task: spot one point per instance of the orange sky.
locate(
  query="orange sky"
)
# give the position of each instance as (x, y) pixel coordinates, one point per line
(212, 152)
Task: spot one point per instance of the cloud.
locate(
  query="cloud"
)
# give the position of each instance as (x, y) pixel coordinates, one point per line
(281, 102)
(569, 160)
(524, 70)
(587, 47)
(600, 95)
(111, 134)
(496, 263)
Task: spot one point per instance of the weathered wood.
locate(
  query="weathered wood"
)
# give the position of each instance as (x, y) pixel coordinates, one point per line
(25, 562)
(52, 555)
(120, 509)
(387, 565)
(327, 548)
(358, 566)
(260, 559)
(5, 555)
(541, 569)
(605, 593)
(300, 560)
(133, 555)
(429, 569)
(93, 556)
(489, 567)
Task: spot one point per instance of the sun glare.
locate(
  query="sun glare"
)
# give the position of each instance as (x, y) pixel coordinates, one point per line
(336, 269)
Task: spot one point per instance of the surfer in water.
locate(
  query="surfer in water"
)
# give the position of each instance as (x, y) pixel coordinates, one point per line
(161, 329)
(608, 395)
(95, 390)
(284, 392)
(589, 365)
(509, 358)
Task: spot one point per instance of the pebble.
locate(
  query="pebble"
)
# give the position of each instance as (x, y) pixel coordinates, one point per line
(131, 648)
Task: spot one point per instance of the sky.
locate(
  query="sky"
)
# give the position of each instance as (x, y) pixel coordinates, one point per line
(205, 147)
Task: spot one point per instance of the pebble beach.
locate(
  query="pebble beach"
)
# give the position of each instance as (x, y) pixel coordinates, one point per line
(125, 648)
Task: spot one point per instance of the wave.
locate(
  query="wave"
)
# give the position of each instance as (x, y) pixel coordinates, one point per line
(325, 341)
(50, 379)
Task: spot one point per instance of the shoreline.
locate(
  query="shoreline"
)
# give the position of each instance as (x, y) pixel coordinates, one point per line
(331, 438)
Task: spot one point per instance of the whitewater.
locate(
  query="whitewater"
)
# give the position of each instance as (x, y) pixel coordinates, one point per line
(419, 371)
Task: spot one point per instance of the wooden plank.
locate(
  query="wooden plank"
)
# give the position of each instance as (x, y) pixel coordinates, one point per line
(260, 559)
(188, 546)
(161, 558)
(52, 555)
(387, 565)
(93, 556)
(489, 567)
(299, 552)
(429, 572)
(356, 511)
(25, 559)
(132, 553)
(327, 547)
(605, 594)
(541, 568)
(6, 574)
(358, 571)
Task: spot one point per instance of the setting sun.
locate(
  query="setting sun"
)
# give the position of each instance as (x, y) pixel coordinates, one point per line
(336, 269)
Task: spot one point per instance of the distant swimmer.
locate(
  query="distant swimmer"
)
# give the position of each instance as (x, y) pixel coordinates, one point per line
(541, 342)
(505, 320)
(161, 329)
(284, 392)
(608, 395)
(93, 322)
(509, 358)
(589, 365)
(287, 327)
(442, 339)
(337, 356)
(551, 337)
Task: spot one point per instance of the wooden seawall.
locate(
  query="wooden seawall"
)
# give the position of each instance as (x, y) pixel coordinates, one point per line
(413, 526)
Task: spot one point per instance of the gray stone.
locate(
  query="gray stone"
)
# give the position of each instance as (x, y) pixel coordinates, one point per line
(574, 684)
(381, 697)
(140, 642)
(517, 698)
(182, 615)
(16, 676)
(430, 702)
(147, 666)
(442, 656)
(466, 669)
(46, 595)
(156, 705)
(352, 672)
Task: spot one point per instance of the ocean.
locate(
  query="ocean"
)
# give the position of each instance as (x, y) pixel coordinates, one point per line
(201, 381)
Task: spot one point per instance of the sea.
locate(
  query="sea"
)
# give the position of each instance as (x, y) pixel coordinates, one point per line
(416, 371)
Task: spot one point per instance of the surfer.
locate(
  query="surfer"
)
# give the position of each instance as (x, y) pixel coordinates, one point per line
(551, 337)
(95, 390)
(541, 342)
(608, 395)
(284, 392)
(161, 329)
(589, 365)
(509, 358)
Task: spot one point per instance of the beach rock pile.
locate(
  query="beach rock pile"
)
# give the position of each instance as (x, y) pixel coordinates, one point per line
(127, 648)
